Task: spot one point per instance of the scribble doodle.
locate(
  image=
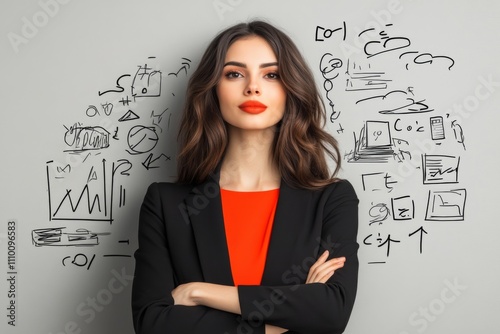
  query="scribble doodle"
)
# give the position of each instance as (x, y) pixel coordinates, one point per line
(398, 102)
(79, 260)
(157, 118)
(427, 59)
(152, 162)
(377, 181)
(329, 66)
(186, 64)
(119, 89)
(82, 138)
(458, 133)
(379, 213)
(401, 150)
(57, 237)
(326, 33)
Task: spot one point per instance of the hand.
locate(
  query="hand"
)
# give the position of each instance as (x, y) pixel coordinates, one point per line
(270, 329)
(184, 294)
(322, 270)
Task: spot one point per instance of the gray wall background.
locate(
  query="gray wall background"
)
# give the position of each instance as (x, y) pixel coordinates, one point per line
(92, 93)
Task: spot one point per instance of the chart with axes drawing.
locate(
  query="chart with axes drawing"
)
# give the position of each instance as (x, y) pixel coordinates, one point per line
(89, 185)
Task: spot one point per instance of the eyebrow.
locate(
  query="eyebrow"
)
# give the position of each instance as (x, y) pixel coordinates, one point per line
(237, 63)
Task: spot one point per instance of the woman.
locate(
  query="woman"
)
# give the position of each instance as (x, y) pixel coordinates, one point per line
(256, 236)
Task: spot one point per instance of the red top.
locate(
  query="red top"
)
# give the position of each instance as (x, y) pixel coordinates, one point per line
(248, 221)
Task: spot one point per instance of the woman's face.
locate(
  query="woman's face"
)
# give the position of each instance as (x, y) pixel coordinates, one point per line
(251, 94)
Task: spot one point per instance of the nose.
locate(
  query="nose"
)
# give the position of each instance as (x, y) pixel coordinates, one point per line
(253, 87)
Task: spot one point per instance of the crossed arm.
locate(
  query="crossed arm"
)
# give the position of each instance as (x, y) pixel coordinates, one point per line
(320, 302)
(225, 298)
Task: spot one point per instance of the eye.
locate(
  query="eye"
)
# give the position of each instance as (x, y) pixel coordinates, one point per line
(273, 75)
(233, 75)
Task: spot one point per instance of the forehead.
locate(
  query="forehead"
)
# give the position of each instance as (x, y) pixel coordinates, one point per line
(251, 49)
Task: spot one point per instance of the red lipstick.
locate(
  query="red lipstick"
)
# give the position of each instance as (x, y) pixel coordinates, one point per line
(252, 107)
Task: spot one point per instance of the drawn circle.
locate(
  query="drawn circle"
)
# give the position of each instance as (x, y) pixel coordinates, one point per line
(92, 111)
(142, 139)
(82, 262)
(328, 85)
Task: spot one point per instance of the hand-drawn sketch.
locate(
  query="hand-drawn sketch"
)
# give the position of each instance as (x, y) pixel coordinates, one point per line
(326, 33)
(446, 205)
(79, 260)
(157, 118)
(82, 138)
(437, 128)
(458, 133)
(374, 144)
(401, 149)
(92, 201)
(361, 79)
(146, 82)
(421, 233)
(142, 139)
(118, 86)
(384, 42)
(328, 66)
(186, 64)
(397, 102)
(377, 181)
(403, 208)
(379, 213)
(128, 116)
(57, 237)
(440, 169)
(151, 162)
(395, 124)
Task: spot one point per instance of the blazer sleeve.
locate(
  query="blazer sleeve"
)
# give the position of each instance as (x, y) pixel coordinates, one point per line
(315, 308)
(153, 307)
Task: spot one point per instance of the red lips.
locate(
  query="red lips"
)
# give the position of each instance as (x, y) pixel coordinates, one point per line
(252, 107)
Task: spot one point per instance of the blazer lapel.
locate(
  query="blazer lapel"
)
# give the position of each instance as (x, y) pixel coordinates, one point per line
(289, 218)
(208, 228)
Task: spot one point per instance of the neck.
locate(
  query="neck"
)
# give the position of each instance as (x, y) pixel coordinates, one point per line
(248, 163)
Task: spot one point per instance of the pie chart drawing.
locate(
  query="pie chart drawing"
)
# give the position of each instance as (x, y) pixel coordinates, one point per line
(142, 139)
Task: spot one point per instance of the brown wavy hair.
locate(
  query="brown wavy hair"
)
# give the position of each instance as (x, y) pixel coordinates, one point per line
(300, 144)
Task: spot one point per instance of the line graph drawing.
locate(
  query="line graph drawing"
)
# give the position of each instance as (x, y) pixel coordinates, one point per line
(440, 169)
(446, 205)
(90, 198)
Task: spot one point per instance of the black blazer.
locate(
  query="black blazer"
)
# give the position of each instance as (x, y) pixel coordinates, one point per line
(182, 239)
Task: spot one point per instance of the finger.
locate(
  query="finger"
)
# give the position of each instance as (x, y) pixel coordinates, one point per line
(318, 272)
(311, 275)
(327, 271)
(318, 262)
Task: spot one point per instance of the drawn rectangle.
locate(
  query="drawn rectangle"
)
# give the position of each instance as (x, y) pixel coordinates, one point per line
(378, 134)
(56, 237)
(440, 169)
(446, 205)
(403, 208)
(437, 128)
